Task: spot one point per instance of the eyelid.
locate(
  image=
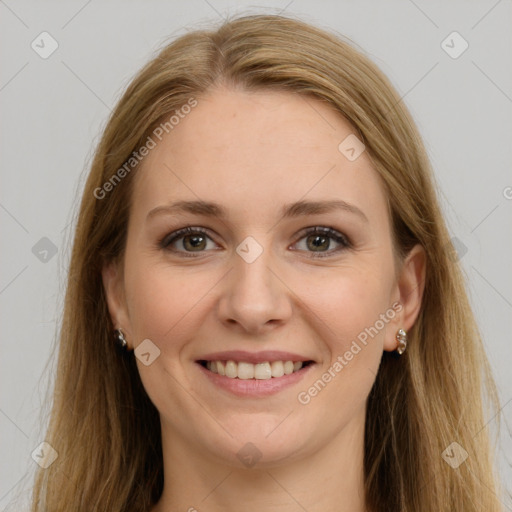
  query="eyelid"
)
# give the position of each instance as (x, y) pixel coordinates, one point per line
(332, 233)
(325, 230)
(179, 233)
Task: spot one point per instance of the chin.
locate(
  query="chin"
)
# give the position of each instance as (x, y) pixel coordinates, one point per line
(263, 444)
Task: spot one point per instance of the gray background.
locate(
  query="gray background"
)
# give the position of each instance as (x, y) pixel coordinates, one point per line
(53, 111)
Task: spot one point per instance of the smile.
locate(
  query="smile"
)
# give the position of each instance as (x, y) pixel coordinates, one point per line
(259, 371)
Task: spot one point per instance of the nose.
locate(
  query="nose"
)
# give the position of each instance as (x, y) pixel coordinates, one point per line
(255, 298)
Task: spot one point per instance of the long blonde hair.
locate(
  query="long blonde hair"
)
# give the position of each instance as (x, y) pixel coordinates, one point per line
(103, 425)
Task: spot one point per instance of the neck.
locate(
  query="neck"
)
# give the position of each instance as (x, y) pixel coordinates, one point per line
(329, 478)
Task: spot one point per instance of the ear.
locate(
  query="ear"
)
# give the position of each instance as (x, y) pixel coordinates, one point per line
(113, 284)
(408, 293)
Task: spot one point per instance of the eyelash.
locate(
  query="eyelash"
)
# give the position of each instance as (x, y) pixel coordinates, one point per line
(168, 239)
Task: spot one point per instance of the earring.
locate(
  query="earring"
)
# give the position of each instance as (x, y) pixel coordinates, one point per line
(120, 339)
(401, 337)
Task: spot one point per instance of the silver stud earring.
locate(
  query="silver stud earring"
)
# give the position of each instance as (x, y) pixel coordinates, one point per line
(401, 337)
(120, 339)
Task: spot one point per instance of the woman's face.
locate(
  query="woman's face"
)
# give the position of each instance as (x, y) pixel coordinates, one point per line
(257, 173)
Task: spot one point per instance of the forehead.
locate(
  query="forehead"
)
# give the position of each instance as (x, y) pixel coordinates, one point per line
(254, 151)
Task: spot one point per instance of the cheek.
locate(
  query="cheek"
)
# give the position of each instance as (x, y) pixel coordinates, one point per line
(349, 306)
(164, 301)
(346, 308)
(349, 303)
(165, 306)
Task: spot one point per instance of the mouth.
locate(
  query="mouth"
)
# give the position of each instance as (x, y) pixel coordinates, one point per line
(245, 370)
(254, 374)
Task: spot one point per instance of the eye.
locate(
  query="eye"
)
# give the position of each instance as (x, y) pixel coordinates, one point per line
(193, 239)
(319, 238)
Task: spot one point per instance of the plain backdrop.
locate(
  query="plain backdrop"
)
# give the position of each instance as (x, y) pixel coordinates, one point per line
(53, 110)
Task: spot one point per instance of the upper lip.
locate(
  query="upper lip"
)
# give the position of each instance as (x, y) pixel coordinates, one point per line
(254, 357)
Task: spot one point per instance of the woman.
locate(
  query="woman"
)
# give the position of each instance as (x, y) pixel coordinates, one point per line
(263, 310)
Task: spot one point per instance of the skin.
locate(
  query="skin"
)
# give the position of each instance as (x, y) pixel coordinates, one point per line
(253, 153)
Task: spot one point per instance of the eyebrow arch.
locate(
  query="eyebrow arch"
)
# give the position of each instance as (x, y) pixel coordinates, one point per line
(292, 210)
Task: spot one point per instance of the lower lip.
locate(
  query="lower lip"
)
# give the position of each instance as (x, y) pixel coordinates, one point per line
(255, 387)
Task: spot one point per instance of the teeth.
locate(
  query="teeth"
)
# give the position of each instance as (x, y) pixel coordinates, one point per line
(245, 371)
(259, 371)
(262, 371)
(231, 369)
(288, 367)
(277, 368)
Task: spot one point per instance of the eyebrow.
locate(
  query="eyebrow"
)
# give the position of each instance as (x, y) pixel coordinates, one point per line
(297, 209)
